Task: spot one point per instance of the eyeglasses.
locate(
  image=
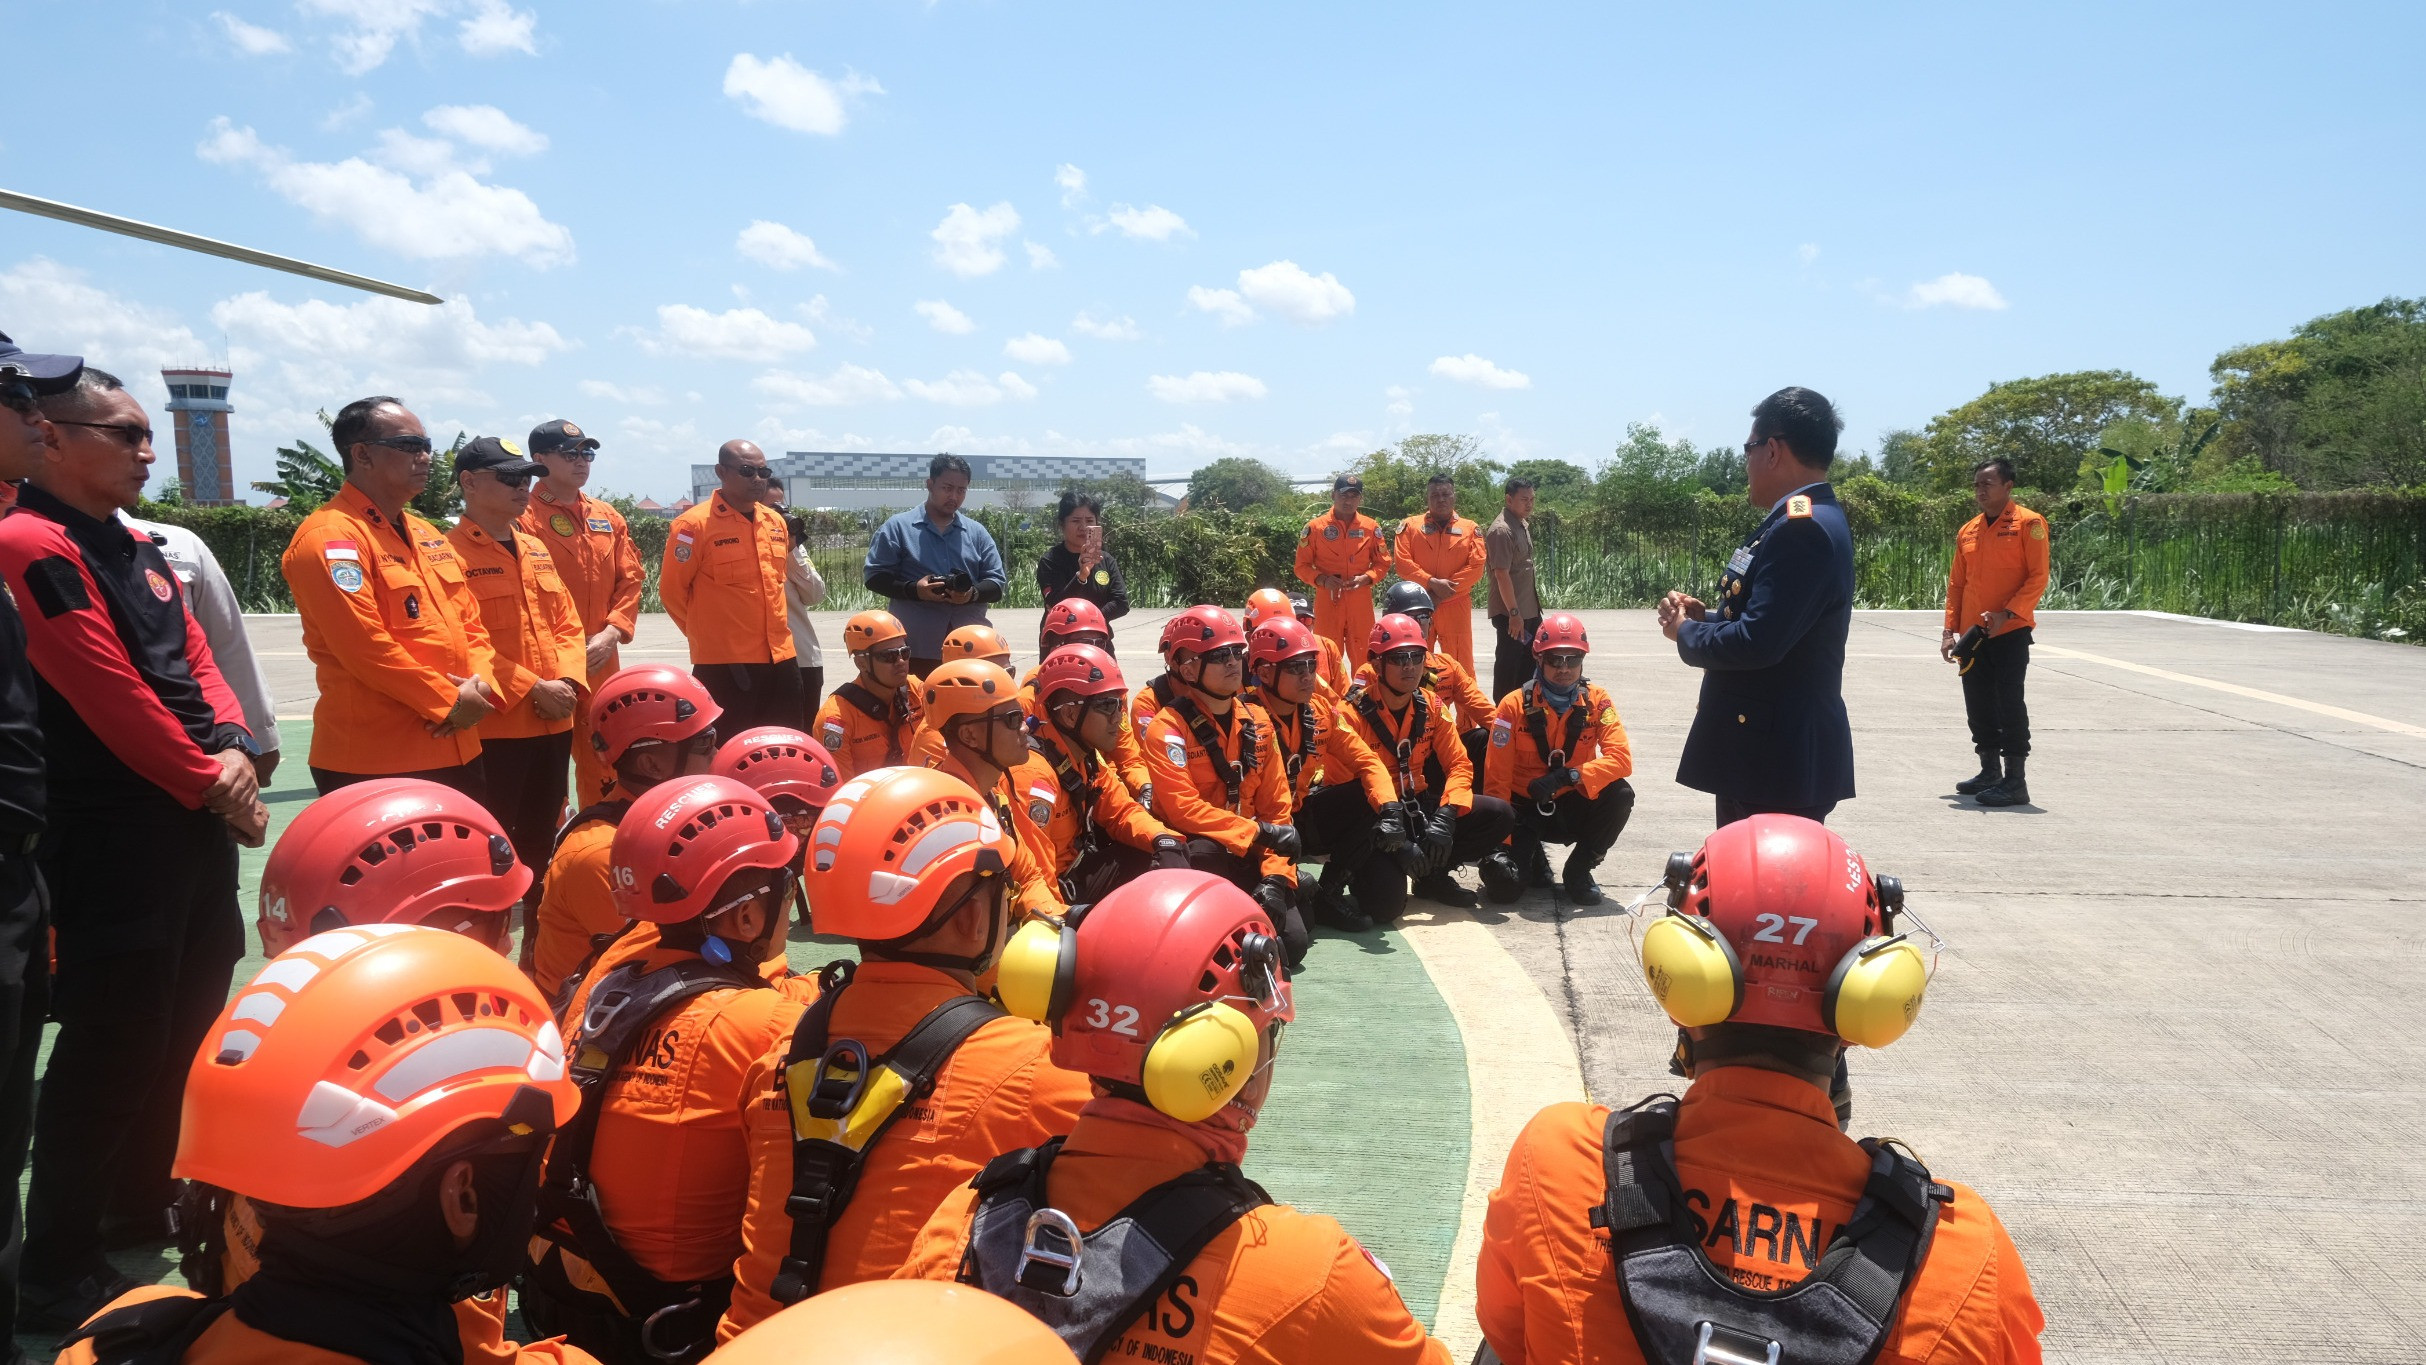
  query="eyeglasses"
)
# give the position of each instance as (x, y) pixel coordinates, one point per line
(516, 481)
(17, 394)
(584, 456)
(897, 654)
(135, 434)
(749, 471)
(1562, 659)
(1227, 654)
(1302, 667)
(410, 445)
(1009, 718)
(1404, 658)
(1108, 704)
(1750, 446)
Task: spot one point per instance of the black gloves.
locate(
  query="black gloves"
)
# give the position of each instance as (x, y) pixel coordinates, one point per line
(1439, 834)
(1551, 783)
(1277, 897)
(1390, 827)
(1503, 881)
(1281, 839)
(1171, 853)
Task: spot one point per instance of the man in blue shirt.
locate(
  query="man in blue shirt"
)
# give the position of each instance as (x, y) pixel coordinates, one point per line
(938, 567)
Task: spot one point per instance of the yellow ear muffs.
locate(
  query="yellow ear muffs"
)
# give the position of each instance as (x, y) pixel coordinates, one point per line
(1692, 970)
(1199, 1061)
(1039, 971)
(1875, 992)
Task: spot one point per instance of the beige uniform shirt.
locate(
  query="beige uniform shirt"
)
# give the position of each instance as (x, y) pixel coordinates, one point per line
(1509, 545)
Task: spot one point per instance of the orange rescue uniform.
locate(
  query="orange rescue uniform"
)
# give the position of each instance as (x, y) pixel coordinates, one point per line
(1278, 1285)
(1407, 779)
(722, 582)
(531, 625)
(229, 1341)
(578, 903)
(1128, 756)
(1346, 548)
(1451, 684)
(1332, 672)
(387, 618)
(1039, 891)
(1189, 795)
(1423, 552)
(1114, 811)
(1999, 565)
(860, 742)
(1591, 734)
(1770, 1180)
(601, 569)
(998, 1093)
(1340, 754)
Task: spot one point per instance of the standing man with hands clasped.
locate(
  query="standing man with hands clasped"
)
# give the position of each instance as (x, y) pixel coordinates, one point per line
(1770, 735)
(595, 557)
(722, 582)
(939, 567)
(1994, 586)
(1513, 604)
(1341, 557)
(1444, 554)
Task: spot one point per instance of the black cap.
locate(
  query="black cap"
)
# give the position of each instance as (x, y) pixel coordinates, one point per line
(497, 455)
(1347, 481)
(554, 438)
(49, 373)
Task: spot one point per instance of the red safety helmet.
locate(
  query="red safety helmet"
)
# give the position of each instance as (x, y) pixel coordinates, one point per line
(394, 850)
(1267, 604)
(1278, 639)
(1200, 630)
(1073, 616)
(1560, 630)
(779, 762)
(676, 846)
(1396, 632)
(1082, 669)
(648, 704)
(888, 846)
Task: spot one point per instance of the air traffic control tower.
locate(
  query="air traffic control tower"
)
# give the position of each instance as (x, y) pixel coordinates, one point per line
(205, 468)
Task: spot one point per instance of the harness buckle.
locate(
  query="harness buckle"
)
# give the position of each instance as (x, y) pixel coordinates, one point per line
(1055, 1265)
(1718, 1345)
(1557, 760)
(833, 1097)
(648, 1332)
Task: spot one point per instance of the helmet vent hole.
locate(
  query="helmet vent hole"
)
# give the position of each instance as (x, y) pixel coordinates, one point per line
(391, 1032)
(1223, 957)
(466, 1003)
(350, 876)
(358, 1061)
(1209, 983)
(429, 1013)
(375, 854)
(433, 830)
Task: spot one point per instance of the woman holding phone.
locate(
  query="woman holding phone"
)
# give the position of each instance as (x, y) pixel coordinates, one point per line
(1079, 566)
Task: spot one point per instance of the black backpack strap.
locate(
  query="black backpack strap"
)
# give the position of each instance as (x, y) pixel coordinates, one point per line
(154, 1332)
(1200, 727)
(611, 812)
(1639, 1190)
(1403, 749)
(842, 1102)
(1294, 757)
(1885, 1241)
(890, 712)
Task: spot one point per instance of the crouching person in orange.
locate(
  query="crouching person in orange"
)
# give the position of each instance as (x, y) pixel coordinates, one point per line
(974, 641)
(382, 1097)
(649, 723)
(1100, 835)
(1338, 820)
(640, 1213)
(869, 721)
(1171, 994)
(1559, 756)
(976, 712)
(1740, 1223)
(792, 771)
(901, 1081)
(1077, 621)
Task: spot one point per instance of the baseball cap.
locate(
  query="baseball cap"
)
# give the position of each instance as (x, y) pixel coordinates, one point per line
(552, 438)
(49, 373)
(1346, 482)
(497, 455)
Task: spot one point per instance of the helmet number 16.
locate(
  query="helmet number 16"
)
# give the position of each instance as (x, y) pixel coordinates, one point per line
(1120, 1019)
(1773, 927)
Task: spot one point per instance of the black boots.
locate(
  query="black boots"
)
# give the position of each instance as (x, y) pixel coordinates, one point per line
(1502, 881)
(1533, 861)
(2013, 791)
(1442, 889)
(1991, 772)
(1580, 884)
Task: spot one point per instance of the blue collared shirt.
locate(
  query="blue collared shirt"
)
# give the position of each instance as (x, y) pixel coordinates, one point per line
(909, 547)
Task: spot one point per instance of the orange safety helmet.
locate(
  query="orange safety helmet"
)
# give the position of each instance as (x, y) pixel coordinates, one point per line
(965, 687)
(889, 844)
(1396, 632)
(1082, 669)
(648, 704)
(393, 850)
(356, 1053)
(1267, 604)
(899, 1322)
(869, 629)
(1279, 639)
(779, 763)
(1560, 630)
(976, 641)
(679, 843)
(1072, 616)
(1201, 630)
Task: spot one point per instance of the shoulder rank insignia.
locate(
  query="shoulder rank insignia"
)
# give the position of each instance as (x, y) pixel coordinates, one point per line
(1799, 505)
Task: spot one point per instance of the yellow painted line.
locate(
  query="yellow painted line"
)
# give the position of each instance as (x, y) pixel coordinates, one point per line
(2397, 727)
(1518, 1061)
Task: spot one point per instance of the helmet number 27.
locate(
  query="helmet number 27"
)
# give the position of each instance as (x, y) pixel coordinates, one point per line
(1120, 1019)
(1773, 927)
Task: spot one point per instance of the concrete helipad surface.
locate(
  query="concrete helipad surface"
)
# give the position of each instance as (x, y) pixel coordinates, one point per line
(2175, 1037)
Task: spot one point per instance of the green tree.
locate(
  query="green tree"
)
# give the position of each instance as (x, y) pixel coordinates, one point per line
(1395, 475)
(1554, 481)
(2341, 403)
(1903, 457)
(1234, 484)
(440, 500)
(306, 477)
(2046, 426)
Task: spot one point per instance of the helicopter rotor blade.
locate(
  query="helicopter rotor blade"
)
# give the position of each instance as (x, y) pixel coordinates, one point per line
(187, 241)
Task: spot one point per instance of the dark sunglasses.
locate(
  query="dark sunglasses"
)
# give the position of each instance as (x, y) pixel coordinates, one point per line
(17, 394)
(410, 445)
(516, 481)
(1562, 658)
(897, 654)
(135, 434)
(1404, 658)
(1300, 667)
(585, 456)
(1227, 654)
(1009, 718)
(1110, 703)
(749, 471)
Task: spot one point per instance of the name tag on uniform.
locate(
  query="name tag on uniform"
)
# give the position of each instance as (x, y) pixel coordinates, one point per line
(601, 524)
(1740, 560)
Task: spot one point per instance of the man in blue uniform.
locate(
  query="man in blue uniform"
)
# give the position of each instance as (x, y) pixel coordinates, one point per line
(1770, 736)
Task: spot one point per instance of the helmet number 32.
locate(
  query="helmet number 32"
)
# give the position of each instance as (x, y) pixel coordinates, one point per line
(1773, 928)
(1120, 1019)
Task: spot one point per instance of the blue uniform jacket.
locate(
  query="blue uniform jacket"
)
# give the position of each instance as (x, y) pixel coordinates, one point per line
(1771, 729)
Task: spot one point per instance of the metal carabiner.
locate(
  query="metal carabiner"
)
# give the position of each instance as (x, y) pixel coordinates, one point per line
(1066, 1262)
(648, 1333)
(1556, 762)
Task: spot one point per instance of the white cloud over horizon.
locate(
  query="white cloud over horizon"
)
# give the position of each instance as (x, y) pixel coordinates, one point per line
(1122, 328)
(1225, 304)
(1473, 369)
(1286, 289)
(734, 334)
(1153, 223)
(967, 241)
(844, 386)
(251, 39)
(778, 247)
(1955, 290)
(487, 127)
(1205, 386)
(943, 317)
(373, 28)
(970, 389)
(1034, 348)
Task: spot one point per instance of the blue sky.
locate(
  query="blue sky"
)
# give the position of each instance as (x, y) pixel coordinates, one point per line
(1289, 231)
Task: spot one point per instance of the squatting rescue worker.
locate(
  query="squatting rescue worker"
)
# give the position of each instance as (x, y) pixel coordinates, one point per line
(1341, 557)
(1076, 621)
(148, 758)
(1998, 576)
(1513, 600)
(391, 626)
(912, 999)
(1443, 553)
(1456, 697)
(542, 669)
(939, 568)
(1559, 756)
(870, 721)
(1338, 787)
(598, 563)
(976, 711)
(722, 581)
(1271, 604)
(1100, 833)
(641, 1208)
(1194, 965)
(370, 1240)
(1574, 1270)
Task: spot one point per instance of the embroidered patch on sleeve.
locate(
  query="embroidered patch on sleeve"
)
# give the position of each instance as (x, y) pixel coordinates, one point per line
(57, 585)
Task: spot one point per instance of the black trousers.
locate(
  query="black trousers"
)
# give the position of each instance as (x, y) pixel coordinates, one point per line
(1101, 868)
(812, 694)
(528, 778)
(1246, 874)
(1591, 824)
(472, 779)
(1511, 660)
(146, 951)
(1336, 823)
(919, 668)
(753, 694)
(1731, 810)
(1380, 884)
(1992, 695)
(25, 995)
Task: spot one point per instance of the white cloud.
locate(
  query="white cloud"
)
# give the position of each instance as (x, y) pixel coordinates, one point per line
(779, 248)
(251, 39)
(1073, 183)
(1123, 328)
(619, 393)
(1955, 290)
(785, 93)
(424, 156)
(965, 241)
(1153, 223)
(378, 345)
(734, 334)
(487, 127)
(1473, 369)
(374, 27)
(1221, 303)
(1041, 257)
(351, 110)
(821, 312)
(448, 214)
(496, 28)
(944, 318)
(1285, 288)
(846, 386)
(1205, 386)
(54, 308)
(969, 389)
(1807, 252)
(1402, 400)
(1036, 349)
(649, 438)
